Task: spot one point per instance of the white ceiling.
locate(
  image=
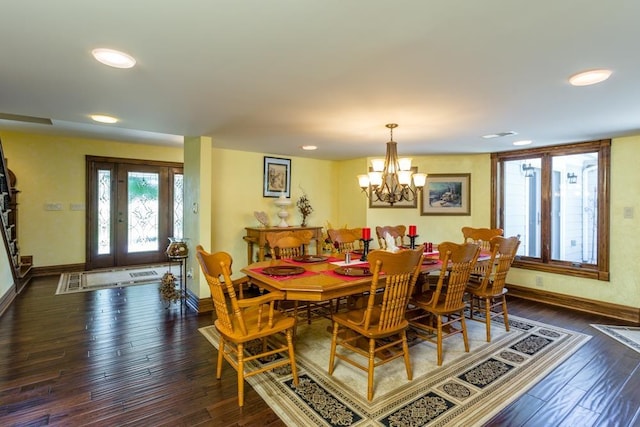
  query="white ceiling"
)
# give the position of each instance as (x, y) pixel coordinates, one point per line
(272, 75)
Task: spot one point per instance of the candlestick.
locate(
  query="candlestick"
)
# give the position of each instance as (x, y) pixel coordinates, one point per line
(412, 241)
(365, 248)
(366, 233)
(412, 230)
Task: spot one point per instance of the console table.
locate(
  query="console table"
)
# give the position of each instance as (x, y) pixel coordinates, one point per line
(257, 236)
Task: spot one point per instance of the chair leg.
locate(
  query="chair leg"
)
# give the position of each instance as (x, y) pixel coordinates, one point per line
(465, 338)
(407, 361)
(372, 353)
(240, 375)
(487, 320)
(292, 357)
(220, 358)
(439, 339)
(505, 314)
(332, 354)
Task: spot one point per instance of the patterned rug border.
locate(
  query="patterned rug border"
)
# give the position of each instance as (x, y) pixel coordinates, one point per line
(410, 400)
(75, 282)
(613, 332)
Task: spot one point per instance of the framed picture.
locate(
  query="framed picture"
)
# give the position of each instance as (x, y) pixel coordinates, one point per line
(447, 194)
(277, 177)
(403, 204)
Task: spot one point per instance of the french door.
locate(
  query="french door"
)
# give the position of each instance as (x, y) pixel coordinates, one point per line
(133, 207)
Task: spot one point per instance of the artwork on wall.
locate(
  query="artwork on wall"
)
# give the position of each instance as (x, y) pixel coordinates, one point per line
(277, 177)
(447, 194)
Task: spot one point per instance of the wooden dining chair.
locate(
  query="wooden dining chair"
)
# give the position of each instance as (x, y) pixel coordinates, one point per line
(382, 320)
(435, 312)
(345, 239)
(239, 321)
(238, 284)
(397, 232)
(490, 293)
(480, 236)
(288, 244)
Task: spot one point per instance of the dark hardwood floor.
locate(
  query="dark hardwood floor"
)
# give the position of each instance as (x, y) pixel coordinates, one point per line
(118, 357)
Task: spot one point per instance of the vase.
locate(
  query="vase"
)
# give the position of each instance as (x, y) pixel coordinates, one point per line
(282, 202)
(177, 248)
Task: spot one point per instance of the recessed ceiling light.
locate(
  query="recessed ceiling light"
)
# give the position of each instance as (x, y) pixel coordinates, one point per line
(499, 134)
(113, 58)
(309, 147)
(522, 142)
(590, 77)
(104, 119)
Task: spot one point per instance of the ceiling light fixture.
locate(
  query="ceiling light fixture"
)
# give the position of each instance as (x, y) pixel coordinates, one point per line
(309, 147)
(103, 119)
(522, 142)
(590, 77)
(390, 179)
(113, 58)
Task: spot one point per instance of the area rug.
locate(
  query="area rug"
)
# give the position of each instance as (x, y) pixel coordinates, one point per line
(112, 278)
(467, 390)
(627, 335)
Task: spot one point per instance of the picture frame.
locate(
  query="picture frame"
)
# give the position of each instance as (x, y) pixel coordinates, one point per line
(374, 204)
(447, 194)
(276, 177)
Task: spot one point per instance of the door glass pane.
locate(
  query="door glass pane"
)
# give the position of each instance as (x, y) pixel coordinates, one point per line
(178, 202)
(522, 202)
(104, 211)
(574, 222)
(143, 212)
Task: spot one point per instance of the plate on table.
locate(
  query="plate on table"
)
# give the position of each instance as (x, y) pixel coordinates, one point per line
(429, 261)
(357, 271)
(310, 258)
(357, 251)
(283, 270)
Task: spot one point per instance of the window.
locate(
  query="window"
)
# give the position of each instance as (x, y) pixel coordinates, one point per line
(557, 199)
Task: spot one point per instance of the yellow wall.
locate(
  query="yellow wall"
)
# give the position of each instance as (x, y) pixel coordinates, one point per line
(237, 178)
(51, 169)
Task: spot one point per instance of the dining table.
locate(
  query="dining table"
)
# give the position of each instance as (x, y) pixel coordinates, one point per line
(318, 278)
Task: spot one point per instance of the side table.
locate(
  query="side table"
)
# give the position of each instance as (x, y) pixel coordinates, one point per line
(182, 260)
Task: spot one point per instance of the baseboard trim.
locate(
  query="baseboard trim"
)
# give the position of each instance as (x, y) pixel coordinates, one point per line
(7, 299)
(615, 311)
(53, 270)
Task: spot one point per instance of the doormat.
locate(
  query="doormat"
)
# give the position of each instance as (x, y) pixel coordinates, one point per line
(85, 281)
(467, 390)
(627, 335)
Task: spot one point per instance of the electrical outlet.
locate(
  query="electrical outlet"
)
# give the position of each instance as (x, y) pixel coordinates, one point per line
(627, 212)
(539, 281)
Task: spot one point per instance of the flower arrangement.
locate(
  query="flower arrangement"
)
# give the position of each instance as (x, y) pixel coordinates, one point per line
(168, 290)
(305, 208)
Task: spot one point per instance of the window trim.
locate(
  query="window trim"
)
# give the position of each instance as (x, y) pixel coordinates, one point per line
(599, 271)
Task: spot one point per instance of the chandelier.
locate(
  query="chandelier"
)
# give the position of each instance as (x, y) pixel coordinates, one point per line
(390, 178)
